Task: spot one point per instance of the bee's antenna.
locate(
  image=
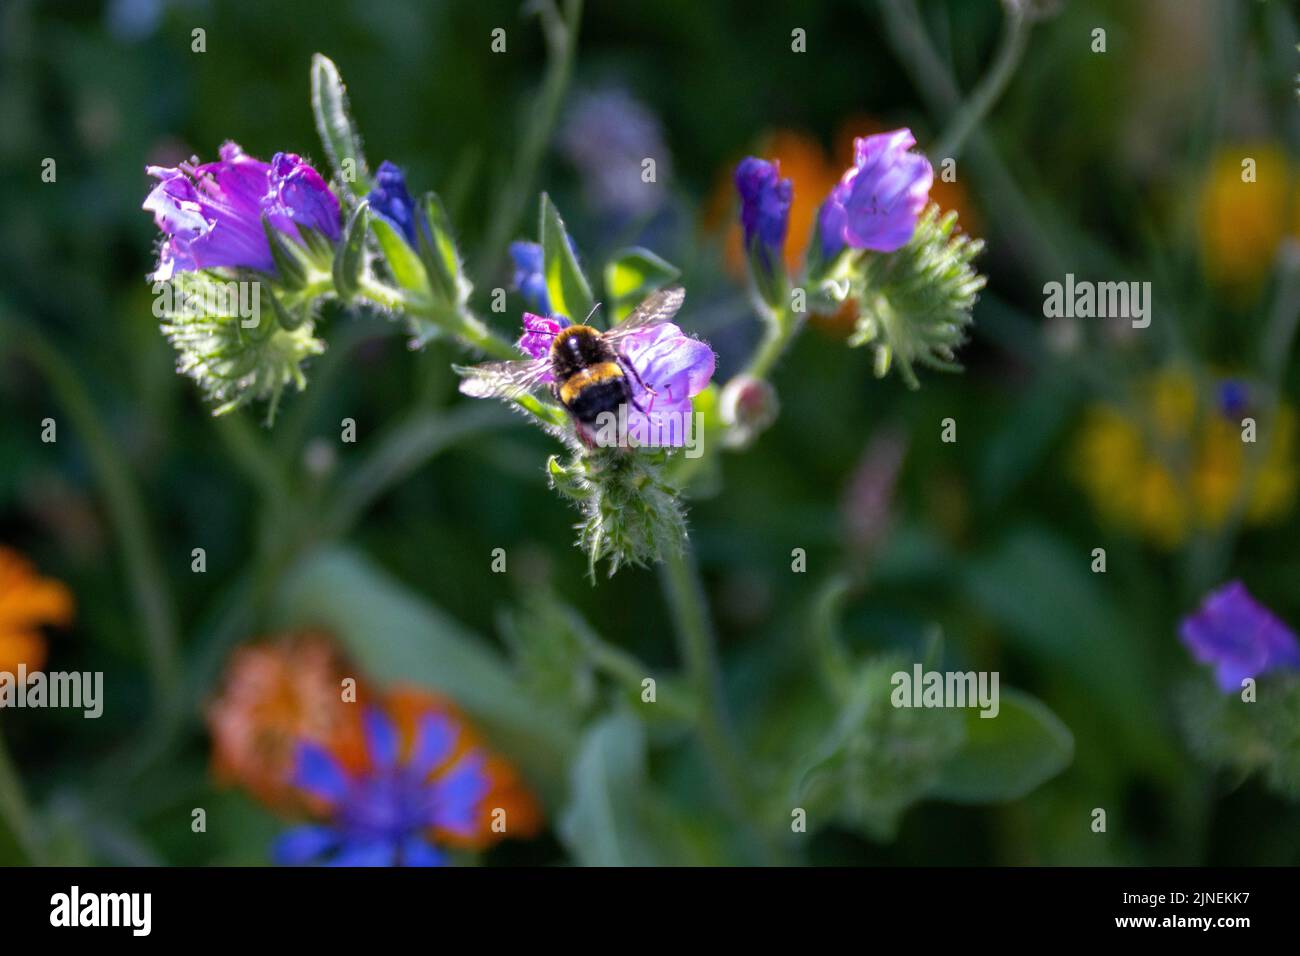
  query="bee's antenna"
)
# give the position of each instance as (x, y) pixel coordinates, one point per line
(594, 309)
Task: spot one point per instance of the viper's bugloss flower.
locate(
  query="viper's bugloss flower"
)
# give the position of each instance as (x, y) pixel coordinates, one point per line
(765, 200)
(668, 368)
(529, 277)
(28, 602)
(391, 201)
(274, 695)
(426, 784)
(877, 202)
(212, 213)
(1239, 637)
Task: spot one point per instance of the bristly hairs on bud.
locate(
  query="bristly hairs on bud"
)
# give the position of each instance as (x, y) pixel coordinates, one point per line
(231, 363)
(631, 515)
(914, 304)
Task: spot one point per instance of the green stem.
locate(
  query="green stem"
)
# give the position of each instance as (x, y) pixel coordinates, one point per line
(561, 33)
(126, 510)
(15, 811)
(1015, 35)
(697, 647)
(780, 330)
(630, 672)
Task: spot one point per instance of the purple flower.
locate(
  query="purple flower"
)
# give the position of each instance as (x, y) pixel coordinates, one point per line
(383, 815)
(212, 214)
(539, 333)
(876, 203)
(390, 200)
(1239, 636)
(667, 369)
(764, 209)
(670, 368)
(530, 278)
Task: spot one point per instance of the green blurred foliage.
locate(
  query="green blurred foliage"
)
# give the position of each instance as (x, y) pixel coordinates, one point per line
(990, 539)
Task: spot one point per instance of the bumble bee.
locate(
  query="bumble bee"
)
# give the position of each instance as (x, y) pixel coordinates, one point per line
(590, 374)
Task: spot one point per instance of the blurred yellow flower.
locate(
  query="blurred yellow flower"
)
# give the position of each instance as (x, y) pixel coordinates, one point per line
(1178, 464)
(1244, 213)
(27, 602)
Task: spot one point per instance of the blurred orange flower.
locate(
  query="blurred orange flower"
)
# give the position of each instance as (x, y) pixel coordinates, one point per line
(274, 695)
(289, 691)
(27, 602)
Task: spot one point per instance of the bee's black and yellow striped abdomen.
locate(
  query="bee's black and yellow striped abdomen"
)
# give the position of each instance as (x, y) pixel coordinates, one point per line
(588, 377)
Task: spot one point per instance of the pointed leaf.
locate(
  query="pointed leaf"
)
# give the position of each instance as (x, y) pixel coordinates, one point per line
(338, 134)
(1005, 757)
(403, 261)
(632, 274)
(439, 255)
(568, 288)
(350, 254)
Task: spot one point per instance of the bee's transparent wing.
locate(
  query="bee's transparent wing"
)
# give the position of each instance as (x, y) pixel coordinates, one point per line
(657, 308)
(502, 379)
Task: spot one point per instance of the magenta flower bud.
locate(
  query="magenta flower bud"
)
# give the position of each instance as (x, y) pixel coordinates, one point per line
(212, 213)
(877, 202)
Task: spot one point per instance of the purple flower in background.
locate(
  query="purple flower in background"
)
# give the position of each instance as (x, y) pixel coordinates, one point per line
(607, 135)
(667, 369)
(383, 816)
(529, 277)
(212, 214)
(876, 203)
(764, 209)
(390, 200)
(1239, 636)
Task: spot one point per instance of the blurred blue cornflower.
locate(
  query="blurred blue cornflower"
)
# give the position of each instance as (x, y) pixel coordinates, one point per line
(385, 814)
(877, 202)
(1238, 636)
(212, 214)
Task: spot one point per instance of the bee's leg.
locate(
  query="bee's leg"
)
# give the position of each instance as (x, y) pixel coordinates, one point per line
(627, 364)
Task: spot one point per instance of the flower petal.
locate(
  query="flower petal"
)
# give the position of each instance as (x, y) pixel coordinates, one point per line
(318, 773)
(303, 844)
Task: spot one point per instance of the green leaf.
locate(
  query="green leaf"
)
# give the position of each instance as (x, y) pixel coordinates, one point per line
(289, 267)
(350, 255)
(338, 134)
(396, 636)
(568, 288)
(1005, 757)
(613, 817)
(631, 275)
(1040, 591)
(439, 255)
(403, 261)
